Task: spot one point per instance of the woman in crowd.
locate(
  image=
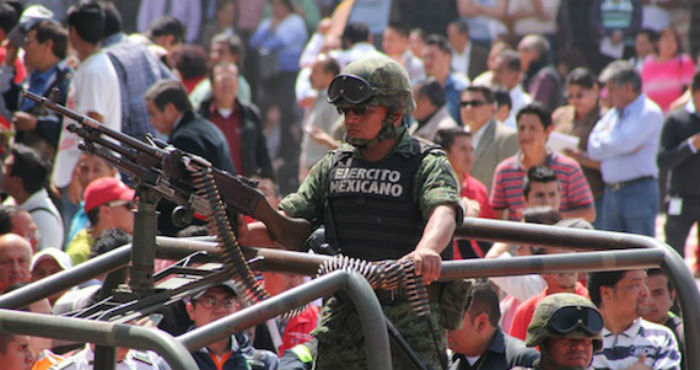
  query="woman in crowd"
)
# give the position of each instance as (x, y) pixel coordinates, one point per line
(667, 73)
(578, 119)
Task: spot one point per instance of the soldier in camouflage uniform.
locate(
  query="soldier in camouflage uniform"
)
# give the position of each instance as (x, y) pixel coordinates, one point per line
(567, 328)
(382, 195)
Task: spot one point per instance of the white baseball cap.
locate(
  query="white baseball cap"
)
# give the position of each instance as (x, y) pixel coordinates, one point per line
(58, 255)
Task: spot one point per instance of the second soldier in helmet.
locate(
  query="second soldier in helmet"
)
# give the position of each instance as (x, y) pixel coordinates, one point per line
(567, 328)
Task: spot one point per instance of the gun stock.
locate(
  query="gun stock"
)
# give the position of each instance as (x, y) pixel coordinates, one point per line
(287, 231)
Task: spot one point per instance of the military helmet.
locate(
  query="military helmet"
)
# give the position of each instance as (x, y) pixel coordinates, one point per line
(565, 315)
(373, 81)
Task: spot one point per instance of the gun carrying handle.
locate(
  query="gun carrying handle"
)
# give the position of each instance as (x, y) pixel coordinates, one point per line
(290, 232)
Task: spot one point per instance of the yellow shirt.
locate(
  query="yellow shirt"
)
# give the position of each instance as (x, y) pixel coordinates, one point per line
(79, 248)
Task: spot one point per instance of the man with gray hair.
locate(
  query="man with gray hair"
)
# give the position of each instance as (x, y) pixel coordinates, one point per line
(431, 110)
(541, 79)
(625, 140)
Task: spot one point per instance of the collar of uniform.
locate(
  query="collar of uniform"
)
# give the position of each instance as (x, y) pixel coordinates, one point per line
(404, 147)
(630, 332)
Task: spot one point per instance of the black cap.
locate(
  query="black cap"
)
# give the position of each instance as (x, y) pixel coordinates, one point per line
(228, 285)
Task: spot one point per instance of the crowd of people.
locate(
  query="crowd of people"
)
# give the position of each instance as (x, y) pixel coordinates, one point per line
(562, 113)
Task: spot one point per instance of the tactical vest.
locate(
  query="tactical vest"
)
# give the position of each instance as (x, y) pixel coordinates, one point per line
(371, 213)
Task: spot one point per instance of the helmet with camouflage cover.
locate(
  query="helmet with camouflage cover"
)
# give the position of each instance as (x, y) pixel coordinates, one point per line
(374, 81)
(389, 83)
(581, 321)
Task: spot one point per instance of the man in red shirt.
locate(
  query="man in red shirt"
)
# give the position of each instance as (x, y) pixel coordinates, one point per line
(239, 121)
(556, 283)
(459, 146)
(297, 329)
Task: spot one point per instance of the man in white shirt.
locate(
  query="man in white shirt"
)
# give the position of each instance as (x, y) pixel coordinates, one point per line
(509, 74)
(395, 45)
(94, 91)
(24, 179)
(321, 116)
(493, 142)
(467, 58)
(358, 44)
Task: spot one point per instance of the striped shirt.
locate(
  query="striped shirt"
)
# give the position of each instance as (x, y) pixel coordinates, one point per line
(643, 337)
(507, 189)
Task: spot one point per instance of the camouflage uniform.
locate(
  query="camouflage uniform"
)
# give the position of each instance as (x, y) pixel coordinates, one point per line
(539, 329)
(436, 184)
(339, 334)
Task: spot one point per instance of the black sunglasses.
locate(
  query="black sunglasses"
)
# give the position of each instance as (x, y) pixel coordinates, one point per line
(358, 111)
(473, 103)
(353, 89)
(567, 319)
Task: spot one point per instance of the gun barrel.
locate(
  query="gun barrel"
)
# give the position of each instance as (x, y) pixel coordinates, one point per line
(89, 122)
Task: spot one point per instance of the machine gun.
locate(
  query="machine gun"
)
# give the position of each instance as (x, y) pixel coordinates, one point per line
(163, 171)
(169, 171)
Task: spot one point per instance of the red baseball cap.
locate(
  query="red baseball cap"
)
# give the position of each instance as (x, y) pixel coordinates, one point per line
(105, 190)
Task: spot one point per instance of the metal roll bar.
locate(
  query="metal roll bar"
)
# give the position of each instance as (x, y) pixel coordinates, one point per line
(670, 261)
(98, 332)
(555, 263)
(352, 283)
(646, 252)
(67, 279)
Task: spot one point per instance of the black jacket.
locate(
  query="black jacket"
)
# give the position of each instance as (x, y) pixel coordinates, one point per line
(675, 154)
(195, 135)
(504, 352)
(256, 158)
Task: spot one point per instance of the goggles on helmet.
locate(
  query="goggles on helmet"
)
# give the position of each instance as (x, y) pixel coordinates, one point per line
(567, 319)
(355, 90)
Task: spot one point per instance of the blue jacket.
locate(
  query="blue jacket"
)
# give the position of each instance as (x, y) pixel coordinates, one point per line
(236, 358)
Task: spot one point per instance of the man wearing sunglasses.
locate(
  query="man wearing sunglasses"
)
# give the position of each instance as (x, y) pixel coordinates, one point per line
(566, 327)
(383, 195)
(108, 204)
(210, 305)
